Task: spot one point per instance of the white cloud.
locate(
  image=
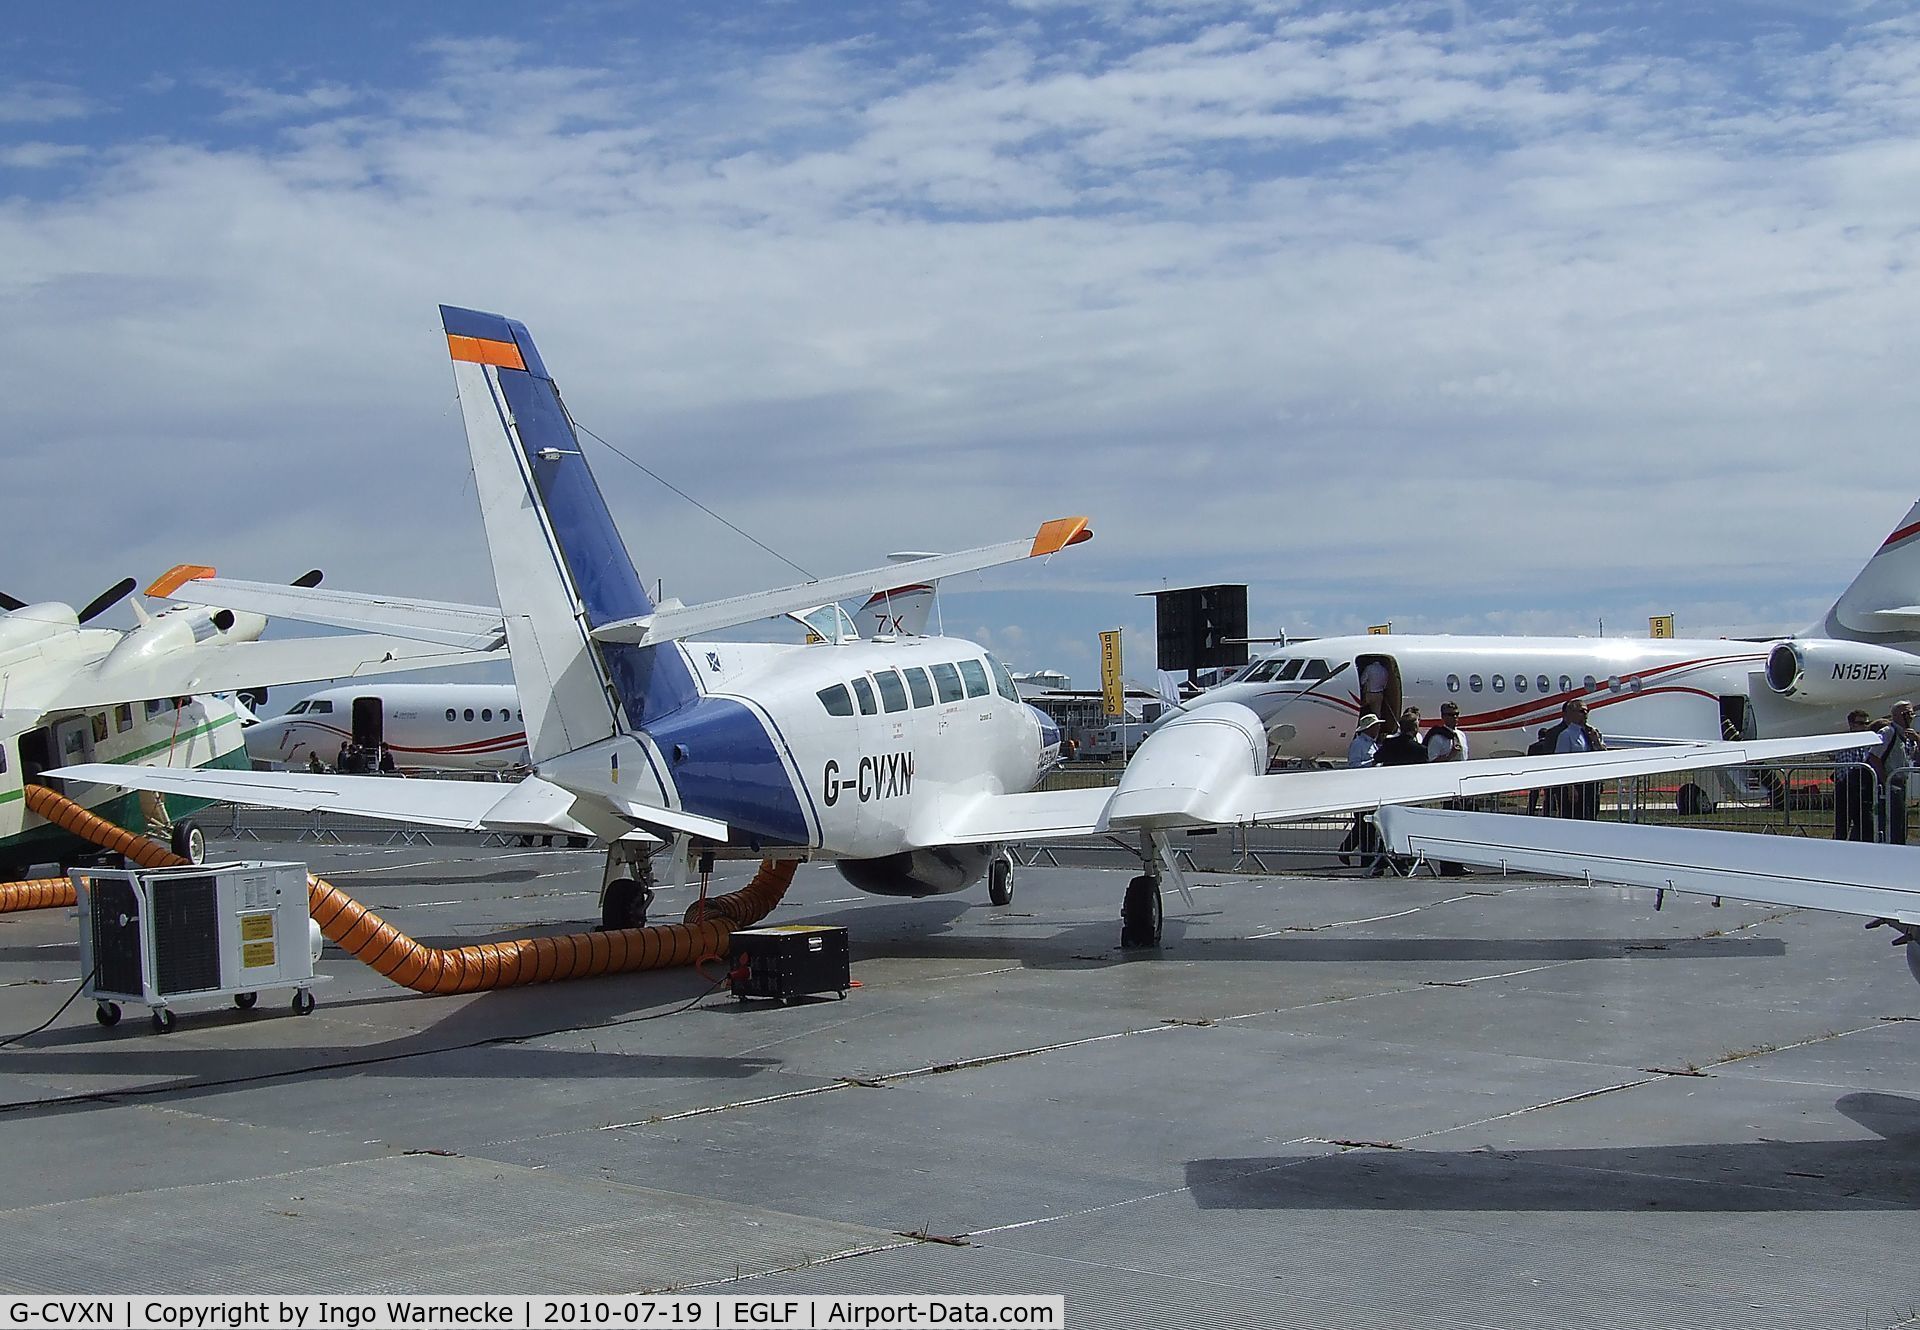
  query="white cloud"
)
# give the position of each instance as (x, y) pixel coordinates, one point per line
(1391, 319)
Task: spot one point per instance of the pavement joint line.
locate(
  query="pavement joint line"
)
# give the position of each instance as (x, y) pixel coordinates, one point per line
(830, 1258)
(1594, 1093)
(1821, 1038)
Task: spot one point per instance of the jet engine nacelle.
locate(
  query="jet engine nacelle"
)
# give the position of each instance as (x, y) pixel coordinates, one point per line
(1823, 673)
(1184, 771)
(934, 871)
(181, 629)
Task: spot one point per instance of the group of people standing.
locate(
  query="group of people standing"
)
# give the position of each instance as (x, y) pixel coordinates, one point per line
(1885, 764)
(357, 759)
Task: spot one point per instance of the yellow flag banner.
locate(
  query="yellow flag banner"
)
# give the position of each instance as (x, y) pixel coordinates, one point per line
(1112, 694)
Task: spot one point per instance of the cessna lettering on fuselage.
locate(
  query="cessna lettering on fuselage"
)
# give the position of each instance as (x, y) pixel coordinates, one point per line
(878, 776)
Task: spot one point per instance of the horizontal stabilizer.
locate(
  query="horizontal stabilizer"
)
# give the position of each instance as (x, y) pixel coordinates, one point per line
(460, 804)
(672, 623)
(470, 627)
(1875, 881)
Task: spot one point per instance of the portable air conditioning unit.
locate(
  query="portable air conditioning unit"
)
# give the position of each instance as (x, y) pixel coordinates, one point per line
(156, 936)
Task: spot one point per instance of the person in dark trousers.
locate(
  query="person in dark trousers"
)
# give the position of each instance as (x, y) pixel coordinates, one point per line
(1363, 839)
(388, 766)
(1574, 735)
(1547, 800)
(1893, 761)
(1853, 784)
(1399, 749)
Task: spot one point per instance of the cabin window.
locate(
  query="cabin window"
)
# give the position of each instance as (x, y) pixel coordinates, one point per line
(467, 714)
(1590, 685)
(863, 691)
(123, 718)
(1290, 670)
(1545, 684)
(1519, 683)
(1473, 682)
(1003, 680)
(1566, 683)
(3, 759)
(452, 714)
(486, 713)
(1453, 683)
(99, 719)
(836, 700)
(1499, 683)
(321, 707)
(918, 685)
(976, 676)
(1315, 669)
(892, 695)
(158, 705)
(947, 680)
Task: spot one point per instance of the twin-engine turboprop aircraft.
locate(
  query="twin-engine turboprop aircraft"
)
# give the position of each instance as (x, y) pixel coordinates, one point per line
(69, 693)
(1860, 653)
(909, 762)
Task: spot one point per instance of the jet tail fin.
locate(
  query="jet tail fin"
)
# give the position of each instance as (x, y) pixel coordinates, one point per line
(1882, 603)
(559, 564)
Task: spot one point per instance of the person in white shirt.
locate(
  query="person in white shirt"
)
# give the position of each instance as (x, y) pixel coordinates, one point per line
(1574, 735)
(1445, 742)
(1374, 678)
(1363, 839)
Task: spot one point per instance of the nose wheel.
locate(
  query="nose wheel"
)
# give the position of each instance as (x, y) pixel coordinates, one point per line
(1140, 914)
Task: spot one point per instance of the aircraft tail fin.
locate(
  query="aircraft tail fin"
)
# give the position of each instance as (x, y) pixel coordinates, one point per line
(1882, 604)
(559, 564)
(897, 612)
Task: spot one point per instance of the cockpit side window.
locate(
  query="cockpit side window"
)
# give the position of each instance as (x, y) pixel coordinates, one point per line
(1003, 680)
(976, 676)
(836, 700)
(1290, 670)
(1315, 670)
(320, 706)
(947, 680)
(299, 707)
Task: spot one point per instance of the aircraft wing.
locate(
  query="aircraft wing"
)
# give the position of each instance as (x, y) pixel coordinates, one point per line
(470, 627)
(1875, 881)
(670, 623)
(1154, 803)
(236, 665)
(466, 805)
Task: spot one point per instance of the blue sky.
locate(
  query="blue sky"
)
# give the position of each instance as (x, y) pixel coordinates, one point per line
(1472, 317)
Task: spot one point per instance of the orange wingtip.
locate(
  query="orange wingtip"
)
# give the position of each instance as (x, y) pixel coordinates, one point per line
(178, 576)
(485, 351)
(1060, 533)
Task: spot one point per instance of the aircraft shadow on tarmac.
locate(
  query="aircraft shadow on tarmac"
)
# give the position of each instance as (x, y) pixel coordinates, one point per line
(1755, 1176)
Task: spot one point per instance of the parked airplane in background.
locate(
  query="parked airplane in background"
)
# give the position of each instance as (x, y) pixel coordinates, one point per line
(1861, 653)
(909, 762)
(69, 693)
(427, 727)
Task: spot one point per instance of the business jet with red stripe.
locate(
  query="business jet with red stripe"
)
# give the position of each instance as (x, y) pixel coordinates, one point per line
(426, 726)
(908, 761)
(1860, 654)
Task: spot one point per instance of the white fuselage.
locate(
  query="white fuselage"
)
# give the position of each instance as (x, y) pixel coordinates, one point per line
(1509, 688)
(428, 726)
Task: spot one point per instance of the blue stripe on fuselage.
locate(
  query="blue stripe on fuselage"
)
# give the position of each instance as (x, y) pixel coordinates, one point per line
(650, 681)
(725, 765)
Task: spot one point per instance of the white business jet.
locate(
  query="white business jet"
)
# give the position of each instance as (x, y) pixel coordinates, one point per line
(1860, 653)
(70, 693)
(909, 762)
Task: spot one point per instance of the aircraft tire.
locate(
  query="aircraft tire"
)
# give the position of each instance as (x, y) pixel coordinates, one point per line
(1692, 801)
(1000, 879)
(189, 842)
(624, 904)
(1140, 914)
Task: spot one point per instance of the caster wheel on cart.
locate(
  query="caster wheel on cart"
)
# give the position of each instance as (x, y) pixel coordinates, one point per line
(163, 1020)
(107, 1013)
(245, 1001)
(303, 1003)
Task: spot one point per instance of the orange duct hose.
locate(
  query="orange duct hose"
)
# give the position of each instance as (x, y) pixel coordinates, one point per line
(368, 938)
(40, 893)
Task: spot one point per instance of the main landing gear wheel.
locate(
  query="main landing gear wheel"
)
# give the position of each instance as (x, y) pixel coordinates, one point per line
(1000, 880)
(624, 904)
(1140, 913)
(1692, 801)
(107, 1013)
(189, 842)
(163, 1020)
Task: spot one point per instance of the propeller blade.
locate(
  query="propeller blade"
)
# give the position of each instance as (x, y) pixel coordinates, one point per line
(11, 603)
(310, 578)
(107, 599)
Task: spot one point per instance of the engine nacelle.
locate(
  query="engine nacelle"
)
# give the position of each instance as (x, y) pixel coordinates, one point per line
(934, 871)
(36, 623)
(1829, 673)
(180, 629)
(1184, 770)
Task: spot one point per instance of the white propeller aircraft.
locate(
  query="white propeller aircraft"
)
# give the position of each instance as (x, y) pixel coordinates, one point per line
(909, 762)
(1861, 653)
(69, 693)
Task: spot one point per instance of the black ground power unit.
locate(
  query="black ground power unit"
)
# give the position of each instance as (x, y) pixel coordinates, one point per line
(790, 961)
